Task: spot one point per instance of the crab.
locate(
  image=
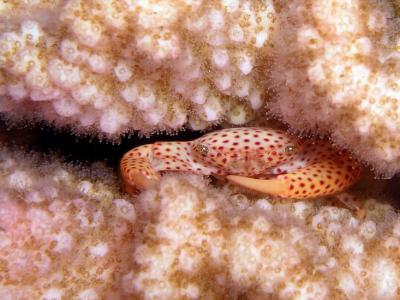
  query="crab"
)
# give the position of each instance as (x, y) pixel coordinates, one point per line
(262, 160)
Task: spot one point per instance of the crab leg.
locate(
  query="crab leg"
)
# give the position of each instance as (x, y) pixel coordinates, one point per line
(325, 176)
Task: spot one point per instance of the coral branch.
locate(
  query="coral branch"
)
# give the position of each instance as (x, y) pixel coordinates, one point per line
(68, 233)
(112, 66)
(337, 72)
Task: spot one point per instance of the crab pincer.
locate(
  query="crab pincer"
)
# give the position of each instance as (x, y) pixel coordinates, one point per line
(141, 167)
(136, 169)
(319, 171)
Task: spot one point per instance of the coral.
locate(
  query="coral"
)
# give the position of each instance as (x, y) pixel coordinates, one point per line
(200, 242)
(340, 75)
(65, 233)
(107, 67)
(68, 233)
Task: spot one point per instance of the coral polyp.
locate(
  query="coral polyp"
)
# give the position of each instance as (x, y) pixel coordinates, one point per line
(110, 67)
(107, 67)
(323, 74)
(340, 75)
(67, 232)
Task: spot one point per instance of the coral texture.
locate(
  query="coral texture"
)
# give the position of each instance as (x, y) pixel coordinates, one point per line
(107, 67)
(207, 243)
(110, 66)
(67, 233)
(340, 75)
(62, 235)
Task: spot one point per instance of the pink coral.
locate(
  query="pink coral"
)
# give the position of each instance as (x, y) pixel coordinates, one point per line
(63, 235)
(107, 67)
(111, 66)
(340, 75)
(201, 242)
(67, 232)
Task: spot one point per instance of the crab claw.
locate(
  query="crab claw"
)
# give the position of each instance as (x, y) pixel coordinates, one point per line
(318, 179)
(141, 167)
(136, 171)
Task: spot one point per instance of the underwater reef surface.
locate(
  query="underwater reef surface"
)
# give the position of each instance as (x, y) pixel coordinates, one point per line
(340, 75)
(67, 232)
(101, 69)
(111, 67)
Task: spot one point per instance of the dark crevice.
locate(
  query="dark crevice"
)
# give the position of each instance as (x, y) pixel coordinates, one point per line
(83, 150)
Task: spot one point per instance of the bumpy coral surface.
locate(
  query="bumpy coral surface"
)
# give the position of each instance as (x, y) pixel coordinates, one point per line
(110, 66)
(62, 235)
(107, 67)
(67, 233)
(337, 71)
(199, 242)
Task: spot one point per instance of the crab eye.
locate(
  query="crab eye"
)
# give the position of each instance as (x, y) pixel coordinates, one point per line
(202, 149)
(290, 148)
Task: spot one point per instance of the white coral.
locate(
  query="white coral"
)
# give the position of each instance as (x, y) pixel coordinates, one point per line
(260, 250)
(131, 53)
(69, 233)
(60, 230)
(340, 75)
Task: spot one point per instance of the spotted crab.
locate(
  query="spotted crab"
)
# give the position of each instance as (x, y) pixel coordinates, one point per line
(264, 160)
